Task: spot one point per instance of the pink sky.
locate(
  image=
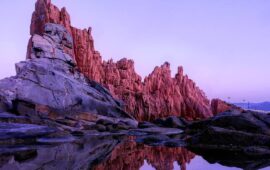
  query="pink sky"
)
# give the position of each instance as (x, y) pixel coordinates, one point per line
(224, 46)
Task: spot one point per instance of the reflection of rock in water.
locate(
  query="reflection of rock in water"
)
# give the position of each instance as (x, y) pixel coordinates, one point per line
(130, 156)
(231, 157)
(233, 138)
(79, 155)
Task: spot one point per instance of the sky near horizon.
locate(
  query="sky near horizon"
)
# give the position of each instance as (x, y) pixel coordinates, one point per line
(223, 45)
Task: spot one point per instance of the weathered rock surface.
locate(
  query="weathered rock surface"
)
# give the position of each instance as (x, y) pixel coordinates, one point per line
(49, 97)
(49, 89)
(219, 106)
(235, 133)
(158, 95)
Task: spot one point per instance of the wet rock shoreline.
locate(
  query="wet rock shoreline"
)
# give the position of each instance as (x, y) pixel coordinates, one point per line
(49, 105)
(48, 96)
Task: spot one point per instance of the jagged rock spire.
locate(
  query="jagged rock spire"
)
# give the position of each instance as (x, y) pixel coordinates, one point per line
(158, 95)
(46, 12)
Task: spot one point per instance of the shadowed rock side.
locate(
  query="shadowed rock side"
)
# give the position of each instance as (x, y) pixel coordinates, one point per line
(233, 138)
(130, 156)
(49, 89)
(159, 95)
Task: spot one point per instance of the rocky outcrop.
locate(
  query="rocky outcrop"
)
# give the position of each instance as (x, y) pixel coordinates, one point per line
(232, 138)
(48, 89)
(89, 61)
(158, 95)
(219, 106)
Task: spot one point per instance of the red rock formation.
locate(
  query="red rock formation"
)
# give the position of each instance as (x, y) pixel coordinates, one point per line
(130, 156)
(159, 95)
(219, 106)
(44, 13)
(88, 60)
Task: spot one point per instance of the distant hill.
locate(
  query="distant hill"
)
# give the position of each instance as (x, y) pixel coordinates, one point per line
(265, 106)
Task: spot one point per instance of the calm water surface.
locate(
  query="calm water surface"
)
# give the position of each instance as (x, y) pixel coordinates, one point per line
(103, 153)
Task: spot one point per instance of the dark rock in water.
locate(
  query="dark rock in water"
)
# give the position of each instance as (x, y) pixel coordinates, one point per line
(49, 89)
(174, 143)
(11, 118)
(77, 133)
(222, 136)
(153, 139)
(123, 125)
(100, 128)
(145, 124)
(25, 155)
(248, 121)
(172, 121)
(16, 130)
(105, 122)
(234, 133)
(176, 122)
(55, 140)
(248, 158)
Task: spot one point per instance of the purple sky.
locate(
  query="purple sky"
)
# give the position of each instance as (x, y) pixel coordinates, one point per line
(224, 45)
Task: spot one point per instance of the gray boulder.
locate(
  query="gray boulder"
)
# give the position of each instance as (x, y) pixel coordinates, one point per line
(49, 86)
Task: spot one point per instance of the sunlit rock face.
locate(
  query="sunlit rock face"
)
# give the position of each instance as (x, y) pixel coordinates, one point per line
(49, 89)
(158, 95)
(219, 106)
(130, 155)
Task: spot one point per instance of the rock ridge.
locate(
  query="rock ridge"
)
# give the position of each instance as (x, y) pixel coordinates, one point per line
(158, 95)
(49, 90)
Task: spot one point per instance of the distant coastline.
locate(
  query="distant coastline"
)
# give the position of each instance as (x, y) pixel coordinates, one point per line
(263, 106)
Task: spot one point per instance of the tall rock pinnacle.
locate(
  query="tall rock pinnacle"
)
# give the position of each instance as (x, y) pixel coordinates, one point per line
(158, 95)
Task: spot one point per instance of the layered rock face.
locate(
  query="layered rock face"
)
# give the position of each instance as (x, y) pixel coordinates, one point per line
(158, 95)
(49, 89)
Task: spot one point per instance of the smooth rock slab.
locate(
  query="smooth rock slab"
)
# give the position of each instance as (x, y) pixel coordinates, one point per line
(17, 130)
(160, 130)
(56, 140)
(12, 118)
